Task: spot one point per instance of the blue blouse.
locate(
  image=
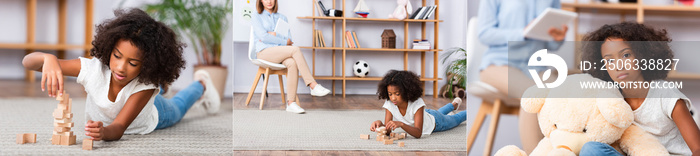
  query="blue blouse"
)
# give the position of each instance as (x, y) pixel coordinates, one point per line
(501, 21)
(266, 22)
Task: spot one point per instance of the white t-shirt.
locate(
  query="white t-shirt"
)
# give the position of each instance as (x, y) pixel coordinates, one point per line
(411, 109)
(95, 78)
(654, 116)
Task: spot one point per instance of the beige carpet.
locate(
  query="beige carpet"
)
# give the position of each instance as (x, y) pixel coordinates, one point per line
(196, 134)
(329, 130)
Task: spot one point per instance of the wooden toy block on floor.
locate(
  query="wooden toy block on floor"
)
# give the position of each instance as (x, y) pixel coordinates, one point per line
(364, 136)
(26, 138)
(392, 134)
(401, 144)
(68, 140)
(87, 144)
(55, 139)
(388, 142)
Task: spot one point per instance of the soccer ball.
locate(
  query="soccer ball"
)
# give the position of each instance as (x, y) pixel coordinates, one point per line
(361, 68)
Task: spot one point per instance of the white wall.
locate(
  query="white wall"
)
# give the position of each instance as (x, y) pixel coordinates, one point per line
(452, 32)
(13, 29)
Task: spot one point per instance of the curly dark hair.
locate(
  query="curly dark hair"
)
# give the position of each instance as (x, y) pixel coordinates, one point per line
(161, 50)
(630, 33)
(408, 83)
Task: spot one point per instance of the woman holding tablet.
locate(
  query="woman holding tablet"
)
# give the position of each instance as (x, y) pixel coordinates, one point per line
(501, 22)
(276, 48)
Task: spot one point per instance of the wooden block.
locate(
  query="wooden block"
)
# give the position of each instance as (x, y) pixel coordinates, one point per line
(67, 140)
(401, 144)
(392, 134)
(388, 142)
(64, 120)
(26, 138)
(70, 104)
(61, 129)
(30, 137)
(20, 139)
(379, 138)
(364, 136)
(87, 144)
(56, 139)
(70, 124)
(59, 97)
(403, 135)
(68, 133)
(58, 113)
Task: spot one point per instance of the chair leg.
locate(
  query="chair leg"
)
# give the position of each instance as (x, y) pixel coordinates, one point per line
(476, 126)
(495, 114)
(282, 89)
(267, 78)
(252, 89)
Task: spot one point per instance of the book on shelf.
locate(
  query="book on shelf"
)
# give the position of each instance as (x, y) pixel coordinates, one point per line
(323, 40)
(424, 12)
(413, 15)
(315, 38)
(349, 39)
(319, 41)
(421, 44)
(354, 37)
(430, 12)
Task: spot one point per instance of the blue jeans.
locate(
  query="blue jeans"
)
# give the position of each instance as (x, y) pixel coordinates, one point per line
(445, 122)
(594, 148)
(170, 111)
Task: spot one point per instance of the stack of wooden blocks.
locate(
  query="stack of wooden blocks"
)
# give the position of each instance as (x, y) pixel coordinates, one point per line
(62, 134)
(387, 140)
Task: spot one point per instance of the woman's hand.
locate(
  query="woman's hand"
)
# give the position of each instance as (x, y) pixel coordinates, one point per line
(558, 34)
(391, 125)
(289, 42)
(272, 33)
(94, 130)
(375, 125)
(51, 76)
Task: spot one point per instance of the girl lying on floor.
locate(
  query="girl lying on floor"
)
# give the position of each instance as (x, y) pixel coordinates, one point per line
(406, 110)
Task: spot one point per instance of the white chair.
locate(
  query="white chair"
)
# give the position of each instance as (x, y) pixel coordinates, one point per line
(265, 68)
(493, 102)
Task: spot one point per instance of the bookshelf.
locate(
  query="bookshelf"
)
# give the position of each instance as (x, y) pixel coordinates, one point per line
(344, 50)
(30, 45)
(639, 9)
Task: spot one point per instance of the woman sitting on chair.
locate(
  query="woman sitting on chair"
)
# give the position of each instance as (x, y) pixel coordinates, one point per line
(276, 48)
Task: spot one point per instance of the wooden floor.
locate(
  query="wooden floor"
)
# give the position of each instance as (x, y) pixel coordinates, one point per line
(350, 102)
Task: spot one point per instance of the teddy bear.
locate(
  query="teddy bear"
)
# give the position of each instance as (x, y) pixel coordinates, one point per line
(400, 11)
(570, 116)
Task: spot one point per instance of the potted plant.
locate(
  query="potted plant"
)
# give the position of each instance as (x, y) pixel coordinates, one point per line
(204, 25)
(455, 62)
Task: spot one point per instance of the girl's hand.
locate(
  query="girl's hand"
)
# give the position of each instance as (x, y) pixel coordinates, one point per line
(394, 124)
(558, 34)
(51, 76)
(94, 130)
(272, 33)
(289, 42)
(375, 125)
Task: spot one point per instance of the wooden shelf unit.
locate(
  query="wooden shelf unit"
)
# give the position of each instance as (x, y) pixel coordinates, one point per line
(30, 45)
(638, 9)
(344, 49)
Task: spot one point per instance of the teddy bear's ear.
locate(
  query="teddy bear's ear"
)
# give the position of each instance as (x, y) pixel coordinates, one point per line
(533, 98)
(616, 111)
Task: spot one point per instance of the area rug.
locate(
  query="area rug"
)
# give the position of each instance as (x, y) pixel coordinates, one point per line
(196, 134)
(329, 130)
